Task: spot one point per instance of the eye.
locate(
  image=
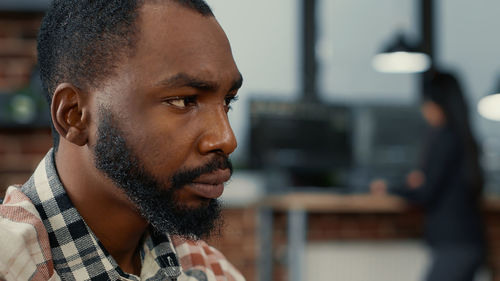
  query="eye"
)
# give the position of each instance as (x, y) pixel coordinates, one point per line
(230, 99)
(181, 102)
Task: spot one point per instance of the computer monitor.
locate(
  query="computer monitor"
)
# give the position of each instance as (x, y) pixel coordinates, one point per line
(309, 141)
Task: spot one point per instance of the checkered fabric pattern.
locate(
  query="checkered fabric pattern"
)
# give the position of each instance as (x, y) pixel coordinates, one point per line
(43, 237)
(204, 262)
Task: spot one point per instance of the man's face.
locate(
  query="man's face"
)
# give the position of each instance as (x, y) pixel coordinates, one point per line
(165, 113)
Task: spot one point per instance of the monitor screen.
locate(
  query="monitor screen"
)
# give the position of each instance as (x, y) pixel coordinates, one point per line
(311, 141)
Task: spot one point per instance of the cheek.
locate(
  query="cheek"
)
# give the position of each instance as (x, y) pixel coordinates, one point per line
(164, 141)
(164, 153)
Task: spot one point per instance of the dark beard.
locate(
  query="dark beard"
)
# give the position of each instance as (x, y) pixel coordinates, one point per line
(158, 205)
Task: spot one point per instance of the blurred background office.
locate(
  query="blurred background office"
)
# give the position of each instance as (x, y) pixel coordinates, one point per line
(318, 118)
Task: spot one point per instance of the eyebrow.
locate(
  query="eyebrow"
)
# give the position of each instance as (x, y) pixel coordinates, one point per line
(185, 80)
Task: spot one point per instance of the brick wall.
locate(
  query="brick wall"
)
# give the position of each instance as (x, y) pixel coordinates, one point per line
(20, 153)
(20, 150)
(17, 48)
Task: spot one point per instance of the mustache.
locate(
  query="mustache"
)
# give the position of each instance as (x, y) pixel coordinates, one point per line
(185, 177)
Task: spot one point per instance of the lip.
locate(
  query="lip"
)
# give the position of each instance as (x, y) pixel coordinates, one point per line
(210, 185)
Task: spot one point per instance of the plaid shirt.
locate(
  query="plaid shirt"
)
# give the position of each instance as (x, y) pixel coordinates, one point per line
(43, 237)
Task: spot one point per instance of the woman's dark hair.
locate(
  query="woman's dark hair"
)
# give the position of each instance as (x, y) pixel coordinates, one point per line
(445, 90)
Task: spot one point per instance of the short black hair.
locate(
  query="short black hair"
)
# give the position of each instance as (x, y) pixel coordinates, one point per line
(80, 41)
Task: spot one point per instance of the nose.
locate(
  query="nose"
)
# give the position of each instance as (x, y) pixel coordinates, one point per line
(218, 135)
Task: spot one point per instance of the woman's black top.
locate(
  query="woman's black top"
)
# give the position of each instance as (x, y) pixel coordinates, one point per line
(451, 205)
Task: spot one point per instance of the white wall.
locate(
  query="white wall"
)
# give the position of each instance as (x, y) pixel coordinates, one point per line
(351, 32)
(404, 260)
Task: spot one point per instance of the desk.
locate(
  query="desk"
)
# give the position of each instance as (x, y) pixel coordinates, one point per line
(300, 207)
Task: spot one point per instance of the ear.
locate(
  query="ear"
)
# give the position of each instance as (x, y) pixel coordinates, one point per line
(70, 113)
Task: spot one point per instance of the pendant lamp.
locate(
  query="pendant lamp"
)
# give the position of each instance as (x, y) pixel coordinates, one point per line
(489, 106)
(401, 57)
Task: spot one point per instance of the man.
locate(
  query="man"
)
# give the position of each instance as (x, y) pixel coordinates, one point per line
(139, 93)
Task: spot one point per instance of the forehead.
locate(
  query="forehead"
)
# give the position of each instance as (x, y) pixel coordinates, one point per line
(173, 39)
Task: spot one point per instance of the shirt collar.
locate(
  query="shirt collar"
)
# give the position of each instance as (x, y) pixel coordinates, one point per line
(76, 251)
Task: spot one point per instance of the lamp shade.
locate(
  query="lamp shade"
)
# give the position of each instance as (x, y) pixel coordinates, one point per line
(489, 107)
(401, 57)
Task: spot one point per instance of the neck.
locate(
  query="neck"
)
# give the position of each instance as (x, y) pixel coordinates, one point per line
(104, 207)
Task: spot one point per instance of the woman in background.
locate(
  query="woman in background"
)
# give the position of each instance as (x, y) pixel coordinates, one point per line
(448, 184)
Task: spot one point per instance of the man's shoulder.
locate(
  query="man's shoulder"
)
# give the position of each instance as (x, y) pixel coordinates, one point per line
(24, 242)
(199, 258)
(18, 208)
